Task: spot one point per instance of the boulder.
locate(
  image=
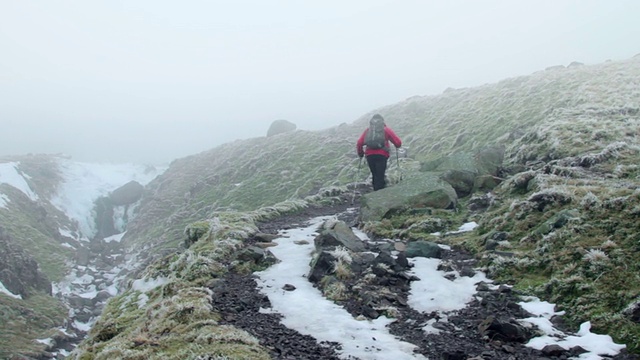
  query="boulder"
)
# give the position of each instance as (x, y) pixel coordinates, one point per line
(423, 248)
(321, 266)
(280, 126)
(468, 172)
(507, 330)
(256, 255)
(19, 272)
(103, 208)
(126, 194)
(339, 234)
(424, 190)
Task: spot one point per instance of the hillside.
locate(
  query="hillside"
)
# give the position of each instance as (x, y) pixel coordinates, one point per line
(560, 222)
(571, 140)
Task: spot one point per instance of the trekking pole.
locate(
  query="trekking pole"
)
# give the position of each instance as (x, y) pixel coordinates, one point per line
(398, 162)
(353, 198)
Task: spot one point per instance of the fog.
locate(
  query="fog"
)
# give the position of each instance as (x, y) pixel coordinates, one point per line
(151, 81)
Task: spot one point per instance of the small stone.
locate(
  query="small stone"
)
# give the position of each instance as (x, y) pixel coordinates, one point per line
(288, 287)
(264, 245)
(553, 350)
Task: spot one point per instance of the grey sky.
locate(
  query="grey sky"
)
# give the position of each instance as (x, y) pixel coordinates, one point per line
(150, 81)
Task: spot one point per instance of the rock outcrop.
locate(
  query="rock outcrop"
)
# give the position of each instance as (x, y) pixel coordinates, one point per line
(19, 272)
(126, 194)
(425, 190)
(280, 126)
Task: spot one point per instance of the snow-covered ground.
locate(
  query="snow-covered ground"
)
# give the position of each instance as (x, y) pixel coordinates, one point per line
(82, 184)
(5, 291)
(11, 175)
(86, 182)
(308, 312)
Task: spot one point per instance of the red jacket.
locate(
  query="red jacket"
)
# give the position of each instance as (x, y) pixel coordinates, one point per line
(389, 135)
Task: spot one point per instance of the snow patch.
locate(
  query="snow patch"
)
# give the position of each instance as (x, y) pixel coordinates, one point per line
(595, 344)
(116, 237)
(4, 200)
(434, 292)
(47, 341)
(9, 174)
(6, 291)
(83, 183)
(82, 326)
(308, 312)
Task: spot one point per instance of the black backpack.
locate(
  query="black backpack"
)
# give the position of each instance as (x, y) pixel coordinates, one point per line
(375, 138)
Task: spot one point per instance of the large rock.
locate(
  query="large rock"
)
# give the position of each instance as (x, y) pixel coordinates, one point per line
(423, 248)
(280, 126)
(467, 172)
(103, 208)
(19, 272)
(338, 234)
(126, 194)
(422, 190)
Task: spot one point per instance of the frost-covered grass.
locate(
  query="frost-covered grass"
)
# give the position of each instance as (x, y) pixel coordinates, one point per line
(573, 238)
(18, 332)
(571, 143)
(167, 314)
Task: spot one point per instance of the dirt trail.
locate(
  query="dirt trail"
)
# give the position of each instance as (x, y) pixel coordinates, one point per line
(466, 334)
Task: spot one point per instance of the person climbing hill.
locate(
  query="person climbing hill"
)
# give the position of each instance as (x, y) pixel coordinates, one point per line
(374, 144)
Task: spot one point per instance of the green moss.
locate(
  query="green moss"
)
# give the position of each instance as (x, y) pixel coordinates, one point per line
(24, 321)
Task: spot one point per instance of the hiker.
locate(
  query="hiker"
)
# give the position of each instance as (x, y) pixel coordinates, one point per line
(376, 140)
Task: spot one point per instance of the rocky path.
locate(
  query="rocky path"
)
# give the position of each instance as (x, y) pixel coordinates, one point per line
(485, 329)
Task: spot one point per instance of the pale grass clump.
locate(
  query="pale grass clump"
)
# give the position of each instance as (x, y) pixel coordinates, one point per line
(187, 306)
(545, 244)
(590, 201)
(556, 194)
(595, 256)
(118, 350)
(526, 262)
(336, 291)
(191, 266)
(388, 311)
(569, 268)
(384, 267)
(515, 204)
(228, 225)
(500, 262)
(617, 203)
(574, 279)
(612, 151)
(342, 254)
(223, 334)
(342, 269)
(369, 278)
(609, 244)
(622, 171)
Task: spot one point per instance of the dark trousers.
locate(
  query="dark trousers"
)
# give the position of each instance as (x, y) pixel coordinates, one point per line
(378, 166)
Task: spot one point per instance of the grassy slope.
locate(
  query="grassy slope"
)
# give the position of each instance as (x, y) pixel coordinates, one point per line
(582, 112)
(34, 228)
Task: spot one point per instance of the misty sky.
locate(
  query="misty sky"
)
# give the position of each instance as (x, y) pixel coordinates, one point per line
(151, 81)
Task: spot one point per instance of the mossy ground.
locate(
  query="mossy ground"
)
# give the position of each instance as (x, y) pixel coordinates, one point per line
(24, 321)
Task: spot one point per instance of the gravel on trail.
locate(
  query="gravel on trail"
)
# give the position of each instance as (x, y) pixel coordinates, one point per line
(464, 335)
